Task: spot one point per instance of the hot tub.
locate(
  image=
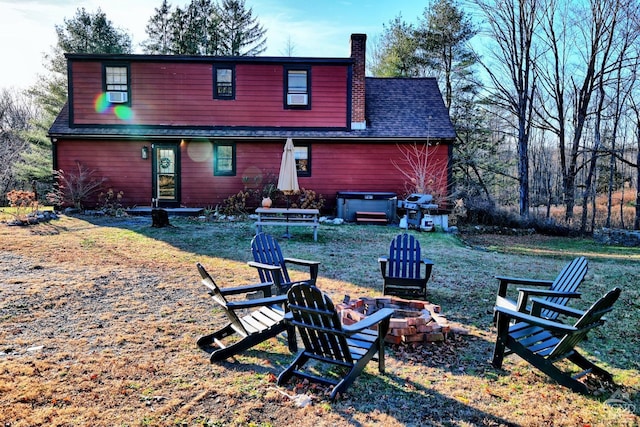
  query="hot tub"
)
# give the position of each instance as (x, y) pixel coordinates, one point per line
(350, 202)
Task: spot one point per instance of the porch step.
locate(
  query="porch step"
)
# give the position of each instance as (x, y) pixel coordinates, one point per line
(146, 211)
(379, 218)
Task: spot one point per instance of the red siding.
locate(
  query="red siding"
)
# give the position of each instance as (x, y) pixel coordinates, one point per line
(181, 94)
(335, 166)
(120, 162)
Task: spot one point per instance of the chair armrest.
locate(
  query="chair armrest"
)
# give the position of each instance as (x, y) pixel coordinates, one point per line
(549, 293)
(246, 288)
(537, 304)
(533, 320)
(383, 265)
(301, 261)
(504, 281)
(258, 302)
(259, 265)
(426, 261)
(525, 293)
(369, 321)
(313, 266)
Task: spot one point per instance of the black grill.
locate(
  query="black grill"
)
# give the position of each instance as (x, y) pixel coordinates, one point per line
(417, 207)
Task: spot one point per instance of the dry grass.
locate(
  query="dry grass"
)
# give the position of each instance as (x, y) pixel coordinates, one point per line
(99, 317)
(623, 211)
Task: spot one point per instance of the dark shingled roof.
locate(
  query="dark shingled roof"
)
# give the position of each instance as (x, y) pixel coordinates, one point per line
(396, 108)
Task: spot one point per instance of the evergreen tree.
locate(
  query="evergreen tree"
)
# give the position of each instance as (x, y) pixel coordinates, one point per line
(205, 28)
(159, 31)
(84, 33)
(443, 37)
(240, 32)
(91, 33)
(397, 53)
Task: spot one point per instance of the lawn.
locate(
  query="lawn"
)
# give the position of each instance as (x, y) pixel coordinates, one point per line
(99, 318)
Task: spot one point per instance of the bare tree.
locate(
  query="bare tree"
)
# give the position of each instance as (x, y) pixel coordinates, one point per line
(597, 30)
(512, 26)
(289, 47)
(16, 112)
(424, 172)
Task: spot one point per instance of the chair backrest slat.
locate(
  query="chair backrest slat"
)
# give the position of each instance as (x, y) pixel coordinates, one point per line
(266, 250)
(318, 323)
(219, 298)
(404, 257)
(589, 320)
(567, 280)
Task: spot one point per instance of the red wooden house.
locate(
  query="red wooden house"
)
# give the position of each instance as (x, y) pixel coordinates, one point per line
(192, 130)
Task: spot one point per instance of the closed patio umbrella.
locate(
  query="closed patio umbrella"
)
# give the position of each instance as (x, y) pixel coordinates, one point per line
(288, 178)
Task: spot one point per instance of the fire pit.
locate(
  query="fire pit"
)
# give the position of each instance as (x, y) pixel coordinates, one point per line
(413, 321)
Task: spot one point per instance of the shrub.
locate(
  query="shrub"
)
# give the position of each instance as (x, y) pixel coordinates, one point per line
(481, 212)
(236, 204)
(110, 202)
(75, 189)
(24, 203)
(307, 199)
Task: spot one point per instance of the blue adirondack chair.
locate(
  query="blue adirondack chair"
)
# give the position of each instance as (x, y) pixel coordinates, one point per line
(402, 270)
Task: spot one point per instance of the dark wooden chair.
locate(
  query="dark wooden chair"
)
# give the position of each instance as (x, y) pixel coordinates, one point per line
(402, 270)
(330, 343)
(243, 332)
(272, 266)
(543, 343)
(557, 291)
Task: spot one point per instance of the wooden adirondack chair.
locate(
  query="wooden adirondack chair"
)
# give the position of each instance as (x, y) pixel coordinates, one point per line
(543, 342)
(402, 269)
(244, 332)
(272, 266)
(557, 291)
(327, 341)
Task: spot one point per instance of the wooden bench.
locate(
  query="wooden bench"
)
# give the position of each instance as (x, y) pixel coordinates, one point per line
(288, 217)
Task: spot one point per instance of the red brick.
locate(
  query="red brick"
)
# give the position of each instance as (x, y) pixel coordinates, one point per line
(438, 336)
(402, 331)
(398, 323)
(416, 321)
(414, 338)
(431, 327)
(346, 321)
(417, 305)
(392, 339)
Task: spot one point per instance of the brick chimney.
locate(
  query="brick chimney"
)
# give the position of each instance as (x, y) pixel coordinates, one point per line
(358, 54)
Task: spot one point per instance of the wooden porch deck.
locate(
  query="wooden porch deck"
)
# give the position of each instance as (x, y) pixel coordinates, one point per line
(146, 211)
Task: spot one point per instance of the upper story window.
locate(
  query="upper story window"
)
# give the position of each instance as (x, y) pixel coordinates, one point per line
(297, 88)
(224, 159)
(116, 83)
(224, 82)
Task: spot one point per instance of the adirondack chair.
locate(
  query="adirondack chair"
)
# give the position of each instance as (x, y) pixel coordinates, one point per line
(543, 342)
(402, 269)
(242, 333)
(558, 291)
(272, 266)
(328, 342)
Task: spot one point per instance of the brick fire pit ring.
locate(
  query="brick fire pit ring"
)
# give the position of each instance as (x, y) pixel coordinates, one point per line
(413, 321)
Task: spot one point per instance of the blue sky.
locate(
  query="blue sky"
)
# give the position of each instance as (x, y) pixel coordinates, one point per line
(316, 28)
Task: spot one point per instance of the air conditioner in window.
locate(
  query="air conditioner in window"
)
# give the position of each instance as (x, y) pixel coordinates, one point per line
(297, 99)
(117, 97)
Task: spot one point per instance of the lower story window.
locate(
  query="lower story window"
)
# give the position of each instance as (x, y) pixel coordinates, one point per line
(302, 154)
(224, 159)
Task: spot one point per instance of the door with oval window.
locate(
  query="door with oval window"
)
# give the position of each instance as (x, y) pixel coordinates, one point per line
(166, 175)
